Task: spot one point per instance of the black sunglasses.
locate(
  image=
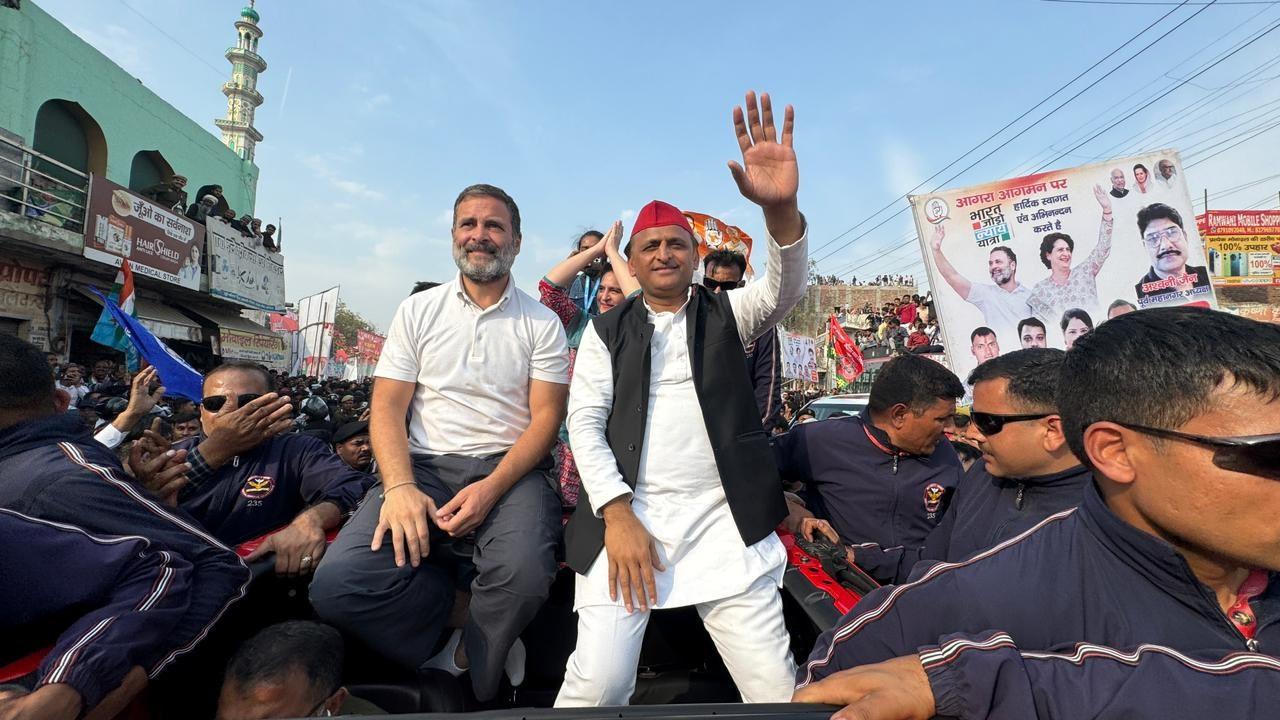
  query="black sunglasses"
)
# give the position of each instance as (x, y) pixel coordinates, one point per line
(714, 285)
(991, 423)
(215, 403)
(1249, 454)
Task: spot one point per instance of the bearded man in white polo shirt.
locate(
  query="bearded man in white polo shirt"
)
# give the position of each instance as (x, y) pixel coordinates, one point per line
(481, 371)
(680, 492)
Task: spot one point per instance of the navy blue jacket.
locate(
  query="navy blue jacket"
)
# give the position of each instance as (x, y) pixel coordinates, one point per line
(764, 363)
(984, 511)
(1081, 575)
(266, 487)
(988, 676)
(869, 490)
(51, 469)
(125, 600)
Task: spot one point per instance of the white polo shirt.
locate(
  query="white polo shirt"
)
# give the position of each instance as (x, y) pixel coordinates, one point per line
(472, 366)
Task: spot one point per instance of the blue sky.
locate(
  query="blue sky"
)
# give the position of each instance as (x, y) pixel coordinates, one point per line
(377, 112)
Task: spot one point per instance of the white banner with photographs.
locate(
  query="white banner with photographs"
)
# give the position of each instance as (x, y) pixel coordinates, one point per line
(799, 357)
(1038, 261)
(316, 315)
(241, 270)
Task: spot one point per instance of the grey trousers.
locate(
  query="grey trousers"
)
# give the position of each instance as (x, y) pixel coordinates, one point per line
(400, 612)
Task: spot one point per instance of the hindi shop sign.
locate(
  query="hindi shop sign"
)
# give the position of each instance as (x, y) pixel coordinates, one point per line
(1243, 246)
(242, 271)
(156, 242)
(266, 349)
(1040, 260)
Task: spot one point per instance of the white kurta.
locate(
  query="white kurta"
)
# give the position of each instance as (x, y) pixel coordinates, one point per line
(678, 497)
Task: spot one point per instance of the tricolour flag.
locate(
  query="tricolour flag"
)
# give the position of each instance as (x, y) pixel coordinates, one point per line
(848, 357)
(176, 375)
(108, 332)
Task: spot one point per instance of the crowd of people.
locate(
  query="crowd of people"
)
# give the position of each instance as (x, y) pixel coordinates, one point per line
(1095, 535)
(878, 281)
(906, 324)
(210, 202)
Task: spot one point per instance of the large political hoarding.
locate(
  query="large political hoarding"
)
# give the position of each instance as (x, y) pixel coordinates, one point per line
(1041, 260)
(242, 270)
(156, 241)
(1242, 246)
(316, 314)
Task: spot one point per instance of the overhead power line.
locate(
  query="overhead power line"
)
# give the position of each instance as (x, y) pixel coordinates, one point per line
(176, 41)
(1178, 85)
(995, 134)
(1047, 115)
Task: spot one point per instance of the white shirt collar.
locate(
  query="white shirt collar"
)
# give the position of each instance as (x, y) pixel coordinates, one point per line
(678, 311)
(507, 293)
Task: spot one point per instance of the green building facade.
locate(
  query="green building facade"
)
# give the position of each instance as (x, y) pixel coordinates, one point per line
(69, 114)
(54, 84)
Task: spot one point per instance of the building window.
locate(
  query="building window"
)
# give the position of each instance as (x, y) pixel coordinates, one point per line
(149, 168)
(68, 134)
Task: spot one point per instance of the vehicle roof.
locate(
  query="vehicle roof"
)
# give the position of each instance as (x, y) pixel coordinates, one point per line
(843, 399)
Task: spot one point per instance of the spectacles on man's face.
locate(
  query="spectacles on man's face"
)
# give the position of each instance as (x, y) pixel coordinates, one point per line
(991, 423)
(1155, 237)
(1249, 454)
(215, 403)
(714, 285)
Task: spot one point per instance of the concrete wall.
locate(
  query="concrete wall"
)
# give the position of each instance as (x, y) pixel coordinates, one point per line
(42, 60)
(809, 317)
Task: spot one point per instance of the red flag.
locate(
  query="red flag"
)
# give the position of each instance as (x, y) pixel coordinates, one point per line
(848, 355)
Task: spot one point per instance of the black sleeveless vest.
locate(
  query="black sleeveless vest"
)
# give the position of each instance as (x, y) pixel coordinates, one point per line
(743, 456)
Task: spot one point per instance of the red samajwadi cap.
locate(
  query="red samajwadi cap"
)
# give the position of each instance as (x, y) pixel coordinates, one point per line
(660, 214)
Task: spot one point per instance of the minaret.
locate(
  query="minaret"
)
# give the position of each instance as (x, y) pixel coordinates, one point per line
(238, 132)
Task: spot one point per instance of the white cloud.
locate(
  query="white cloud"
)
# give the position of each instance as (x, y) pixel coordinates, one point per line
(323, 165)
(377, 264)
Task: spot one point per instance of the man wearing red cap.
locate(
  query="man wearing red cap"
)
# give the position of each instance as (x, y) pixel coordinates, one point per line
(678, 507)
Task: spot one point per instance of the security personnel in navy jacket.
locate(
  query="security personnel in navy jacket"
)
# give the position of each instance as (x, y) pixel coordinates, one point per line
(1177, 412)
(987, 675)
(885, 476)
(51, 470)
(117, 615)
(1027, 472)
(248, 479)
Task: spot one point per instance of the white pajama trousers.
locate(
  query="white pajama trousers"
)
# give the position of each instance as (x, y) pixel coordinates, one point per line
(747, 629)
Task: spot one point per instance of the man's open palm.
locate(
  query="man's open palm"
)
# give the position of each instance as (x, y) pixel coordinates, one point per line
(768, 175)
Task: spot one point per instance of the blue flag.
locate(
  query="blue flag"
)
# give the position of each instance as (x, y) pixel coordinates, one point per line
(176, 375)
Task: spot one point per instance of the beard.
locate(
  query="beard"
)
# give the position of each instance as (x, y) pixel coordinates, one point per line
(485, 270)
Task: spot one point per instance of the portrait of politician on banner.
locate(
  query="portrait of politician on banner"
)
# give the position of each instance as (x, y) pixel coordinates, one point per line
(1040, 260)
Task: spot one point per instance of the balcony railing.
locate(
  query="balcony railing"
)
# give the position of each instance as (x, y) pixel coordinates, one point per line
(38, 194)
(247, 54)
(230, 87)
